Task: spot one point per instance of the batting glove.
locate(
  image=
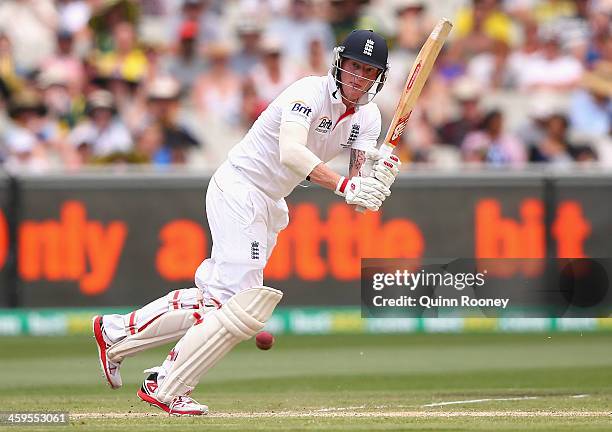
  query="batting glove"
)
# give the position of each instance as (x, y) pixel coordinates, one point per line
(367, 192)
(384, 168)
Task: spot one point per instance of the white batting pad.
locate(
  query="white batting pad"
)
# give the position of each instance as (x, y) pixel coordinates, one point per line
(243, 316)
(169, 327)
(163, 320)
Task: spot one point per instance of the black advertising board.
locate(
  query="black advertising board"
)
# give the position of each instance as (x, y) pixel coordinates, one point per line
(126, 239)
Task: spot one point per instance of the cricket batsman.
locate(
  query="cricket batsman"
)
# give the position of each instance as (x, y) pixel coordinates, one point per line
(311, 122)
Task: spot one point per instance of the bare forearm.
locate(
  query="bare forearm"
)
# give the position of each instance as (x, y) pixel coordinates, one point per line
(356, 161)
(327, 178)
(324, 176)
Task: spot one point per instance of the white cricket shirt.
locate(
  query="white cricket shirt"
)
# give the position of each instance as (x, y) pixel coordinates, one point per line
(314, 102)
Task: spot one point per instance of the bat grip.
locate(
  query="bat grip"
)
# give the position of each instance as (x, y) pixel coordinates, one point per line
(385, 150)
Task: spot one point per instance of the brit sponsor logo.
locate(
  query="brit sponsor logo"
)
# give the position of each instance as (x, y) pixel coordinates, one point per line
(352, 136)
(324, 126)
(301, 107)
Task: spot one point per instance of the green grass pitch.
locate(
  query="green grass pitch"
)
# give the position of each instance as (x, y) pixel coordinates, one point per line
(553, 382)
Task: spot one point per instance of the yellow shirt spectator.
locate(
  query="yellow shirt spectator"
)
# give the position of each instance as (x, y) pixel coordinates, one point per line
(132, 67)
(497, 25)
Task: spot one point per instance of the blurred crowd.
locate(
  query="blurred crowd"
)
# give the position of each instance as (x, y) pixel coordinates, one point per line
(160, 82)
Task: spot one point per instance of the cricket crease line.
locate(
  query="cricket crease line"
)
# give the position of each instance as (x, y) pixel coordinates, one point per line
(376, 414)
(330, 409)
(470, 401)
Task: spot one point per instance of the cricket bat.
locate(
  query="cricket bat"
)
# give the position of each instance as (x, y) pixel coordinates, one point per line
(412, 89)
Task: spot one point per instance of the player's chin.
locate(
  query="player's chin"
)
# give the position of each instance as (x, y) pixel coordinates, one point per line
(354, 95)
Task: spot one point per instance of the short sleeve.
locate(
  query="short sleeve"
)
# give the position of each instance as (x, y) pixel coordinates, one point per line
(301, 102)
(370, 130)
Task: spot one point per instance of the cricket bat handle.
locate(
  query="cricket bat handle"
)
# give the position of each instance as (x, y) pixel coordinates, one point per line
(385, 150)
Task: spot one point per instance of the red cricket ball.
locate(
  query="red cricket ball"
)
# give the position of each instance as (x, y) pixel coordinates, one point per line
(264, 340)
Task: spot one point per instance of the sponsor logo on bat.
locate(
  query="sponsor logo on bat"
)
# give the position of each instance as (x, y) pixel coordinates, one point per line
(414, 75)
(399, 129)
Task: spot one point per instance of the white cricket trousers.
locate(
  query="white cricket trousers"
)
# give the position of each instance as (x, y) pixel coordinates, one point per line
(244, 223)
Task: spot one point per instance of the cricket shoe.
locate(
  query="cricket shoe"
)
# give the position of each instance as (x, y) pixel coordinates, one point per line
(110, 368)
(180, 405)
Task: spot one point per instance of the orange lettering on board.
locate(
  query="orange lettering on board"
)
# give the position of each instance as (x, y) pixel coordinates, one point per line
(183, 249)
(571, 230)
(280, 263)
(533, 237)
(103, 249)
(4, 240)
(313, 249)
(74, 221)
(308, 234)
(402, 238)
(502, 238)
(498, 237)
(40, 251)
(60, 250)
(344, 260)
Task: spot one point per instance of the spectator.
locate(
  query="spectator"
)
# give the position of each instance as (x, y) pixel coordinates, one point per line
(199, 11)
(302, 27)
(31, 26)
(149, 145)
(8, 70)
(106, 16)
(163, 97)
(73, 15)
(413, 24)
(64, 60)
(591, 106)
(467, 94)
(574, 30)
(187, 64)
(490, 68)
(490, 144)
(217, 92)
(450, 64)
(24, 140)
(554, 147)
(480, 24)
(249, 54)
(541, 108)
(273, 75)
(252, 104)
(600, 47)
(102, 133)
(550, 69)
(125, 60)
(525, 53)
(318, 60)
(64, 105)
(345, 16)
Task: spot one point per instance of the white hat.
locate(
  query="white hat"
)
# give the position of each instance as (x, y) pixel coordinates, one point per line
(164, 87)
(466, 88)
(401, 5)
(20, 140)
(271, 45)
(52, 76)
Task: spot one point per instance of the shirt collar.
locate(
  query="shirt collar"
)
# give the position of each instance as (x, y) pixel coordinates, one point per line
(334, 91)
